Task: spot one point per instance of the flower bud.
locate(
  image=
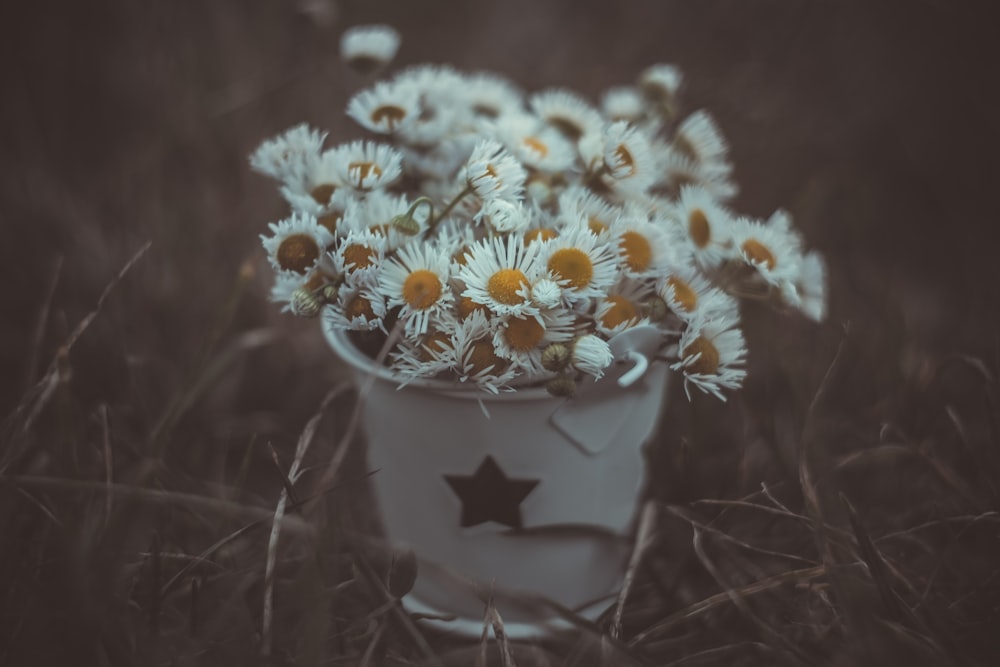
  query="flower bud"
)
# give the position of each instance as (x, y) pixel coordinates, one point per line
(555, 357)
(591, 355)
(563, 385)
(305, 303)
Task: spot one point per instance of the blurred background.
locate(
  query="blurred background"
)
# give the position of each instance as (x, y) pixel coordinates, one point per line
(127, 122)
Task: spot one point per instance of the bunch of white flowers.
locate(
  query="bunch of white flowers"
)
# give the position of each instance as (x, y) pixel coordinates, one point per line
(508, 236)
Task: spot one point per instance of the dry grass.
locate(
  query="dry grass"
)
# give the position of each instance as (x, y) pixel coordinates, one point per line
(166, 496)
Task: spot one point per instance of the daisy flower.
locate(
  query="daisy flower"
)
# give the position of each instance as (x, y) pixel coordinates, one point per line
(425, 356)
(297, 244)
(546, 293)
(386, 108)
(582, 263)
(365, 165)
(476, 358)
(662, 82)
(689, 294)
(628, 162)
(577, 202)
(534, 143)
(773, 251)
(522, 339)
(622, 307)
(361, 250)
(591, 355)
(705, 224)
(376, 211)
(491, 96)
(712, 354)
(368, 48)
(417, 280)
(492, 172)
(359, 307)
(698, 138)
(680, 170)
(498, 273)
(504, 217)
(316, 187)
(643, 246)
(623, 103)
(567, 112)
(296, 148)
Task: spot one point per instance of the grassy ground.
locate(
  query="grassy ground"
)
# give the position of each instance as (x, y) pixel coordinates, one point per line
(841, 510)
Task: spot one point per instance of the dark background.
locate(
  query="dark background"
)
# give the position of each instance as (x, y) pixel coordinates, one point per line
(874, 123)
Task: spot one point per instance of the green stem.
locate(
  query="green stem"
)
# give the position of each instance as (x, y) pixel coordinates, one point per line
(447, 209)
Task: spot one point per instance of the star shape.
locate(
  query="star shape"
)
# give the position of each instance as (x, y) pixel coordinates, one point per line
(489, 495)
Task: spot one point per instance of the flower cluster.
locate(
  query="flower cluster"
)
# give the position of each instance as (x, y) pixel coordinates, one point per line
(505, 237)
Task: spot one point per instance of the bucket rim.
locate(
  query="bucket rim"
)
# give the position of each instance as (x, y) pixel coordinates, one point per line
(342, 346)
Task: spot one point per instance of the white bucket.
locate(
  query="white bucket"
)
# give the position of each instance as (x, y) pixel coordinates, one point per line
(575, 465)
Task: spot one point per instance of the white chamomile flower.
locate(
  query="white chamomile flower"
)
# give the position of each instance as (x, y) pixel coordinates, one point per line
(503, 216)
(546, 293)
(772, 250)
(698, 137)
(297, 244)
(622, 307)
(644, 247)
(297, 148)
(476, 359)
(811, 287)
(491, 96)
(361, 250)
(522, 339)
(591, 355)
(623, 103)
(567, 112)
(679, 170)
(366, 165)
(386, 108)
(712, 355)
(287, 283)
(534, 143)
(689, 294)
(416, 279)
(661, 82)
(705, 224)
(377, 210)
(582, 263)
(498, 273)
(492, 172)
(358, 307)
(317, 187)
(576, 202)
(368, 48)
(629, 164)
(427, 355)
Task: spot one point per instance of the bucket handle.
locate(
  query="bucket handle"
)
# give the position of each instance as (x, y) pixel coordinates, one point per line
(639, 365)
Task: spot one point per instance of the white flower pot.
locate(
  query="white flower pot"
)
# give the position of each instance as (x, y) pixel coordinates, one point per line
(559, 478)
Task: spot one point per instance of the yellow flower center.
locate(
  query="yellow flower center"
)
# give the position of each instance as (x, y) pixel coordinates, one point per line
(298, 252)
(708, 362)
(758, 253)
(330, 220)
(597, 225)
(421, 289)
(622, 310)
(637, 250)
(523, 334)
(466, 306)
(698, 228)
(503, 286)
(684, 296)
(359, 306)
(572, 264)
(624, 159)
(365, 169)
(536, 145)
(361, 256)
(390, 113)
(482, 356)
(541, 234)
(322, 193)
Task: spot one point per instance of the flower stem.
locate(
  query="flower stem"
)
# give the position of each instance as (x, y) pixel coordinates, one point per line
(447, 209)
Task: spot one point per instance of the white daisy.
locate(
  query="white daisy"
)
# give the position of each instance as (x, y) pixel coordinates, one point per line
(629, 164)
(286, 283)
(522, 339)
(359, 307)
(491, 96)
(492, 172)
(689, 294)
(582, 263)
(661, 82)
(361, 250)
(705, 224)
(644, 247)
(476, 359)
(296, 148)
(498, 273)
(567, 112)
(297, 244)
(773, 251)
(416, 279)
(534, 143)
(577, 202)
(386, 108)
(366, 165)
(376, 211)
(712, 354)
(591, 355)
(622, 307)
(698, 137)
(316, 187)
(425, 356)
(368, 48)
(546, 293)
(623, 103)
(503, 216)
(715, 176)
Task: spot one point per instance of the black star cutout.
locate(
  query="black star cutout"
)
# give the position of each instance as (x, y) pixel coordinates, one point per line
(489, 495)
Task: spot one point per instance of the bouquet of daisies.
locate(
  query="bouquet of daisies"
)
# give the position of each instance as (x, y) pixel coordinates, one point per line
(502, 238)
